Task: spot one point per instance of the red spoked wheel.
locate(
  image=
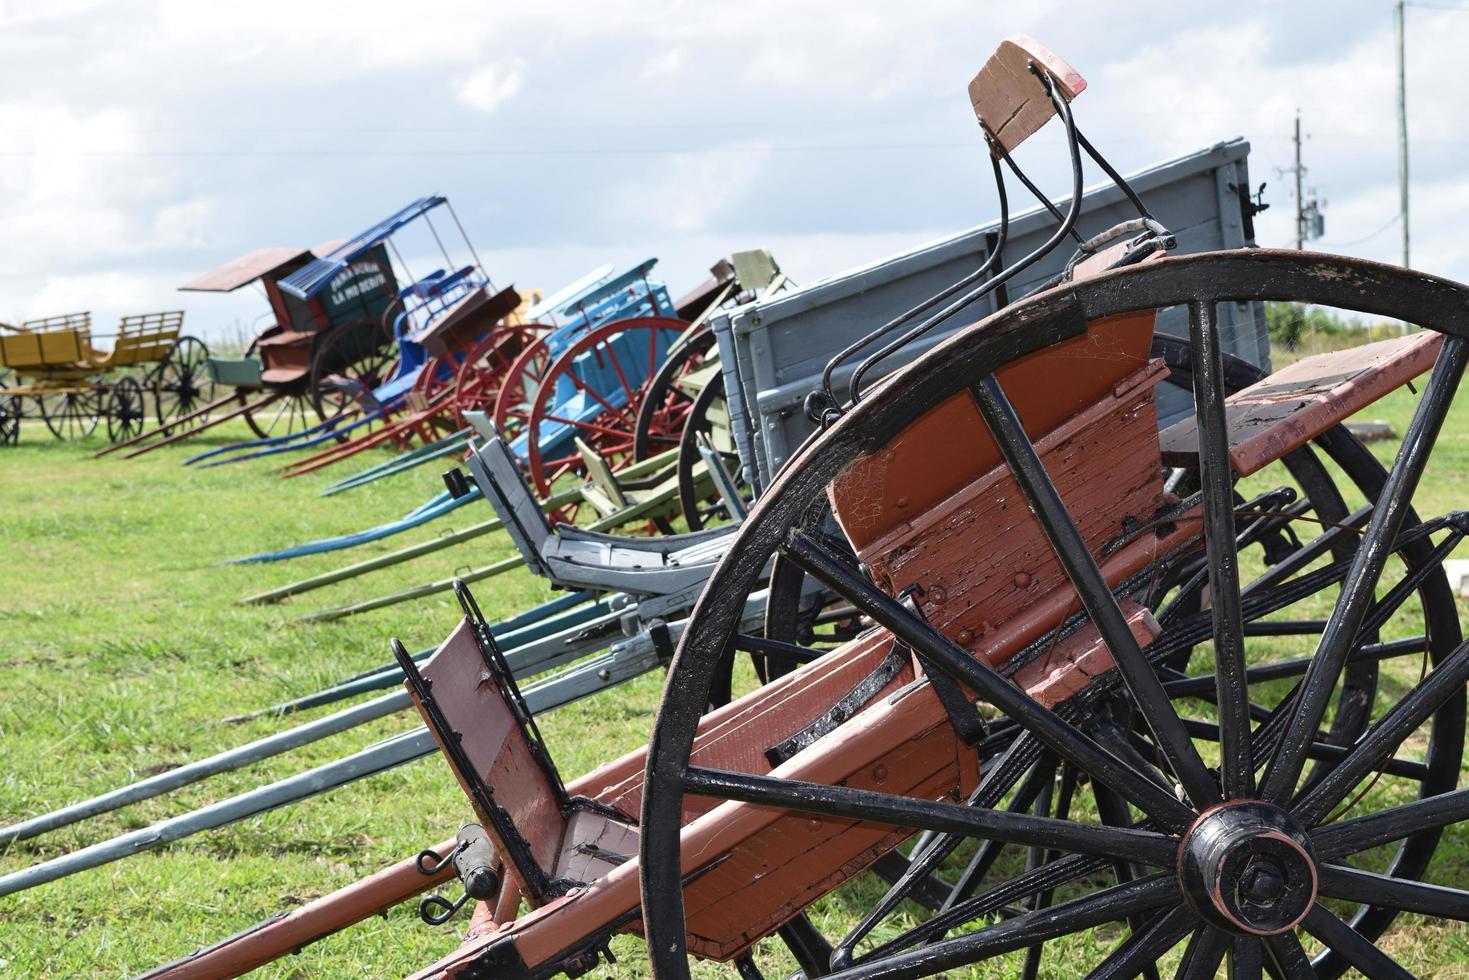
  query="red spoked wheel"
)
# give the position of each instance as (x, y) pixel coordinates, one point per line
(483, 372)
(594, 389)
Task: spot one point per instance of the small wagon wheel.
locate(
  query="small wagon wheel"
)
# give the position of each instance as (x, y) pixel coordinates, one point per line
(661, 414)
(287, 412)
(10, 414)
(592, 391)
(71, 414)
(290, 410)
(517, 390)
(484, 369)
(707, 419)
(352, 357)
(125, 409)
(181, 383)
(1231, 861)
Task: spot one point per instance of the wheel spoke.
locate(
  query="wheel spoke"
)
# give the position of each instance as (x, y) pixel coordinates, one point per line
(1383, 738)
(1308, 553)
(1246, 958)
(1107, 905)
(1062, 738)
(1360, 833)
(1370, 888)
(1004, 772)
(1042, 775)
(1324, 751)
(1143, 949)
(1197, 684)
(1358, 590)
(1217, 477)
(1352, 947)
(1071, 550)
(1204, 954)
(1142, 846)
(1290, 959)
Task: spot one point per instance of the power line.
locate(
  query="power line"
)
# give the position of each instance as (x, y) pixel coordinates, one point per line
(1365, 238)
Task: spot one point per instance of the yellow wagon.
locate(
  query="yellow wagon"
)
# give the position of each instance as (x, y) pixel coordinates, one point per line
(51, 364)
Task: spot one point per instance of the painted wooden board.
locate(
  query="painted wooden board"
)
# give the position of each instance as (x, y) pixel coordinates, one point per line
(1294, 405)
(1009, 100)
(496, 746)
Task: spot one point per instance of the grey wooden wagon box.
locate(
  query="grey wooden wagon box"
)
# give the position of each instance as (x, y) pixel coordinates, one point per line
(773, 352)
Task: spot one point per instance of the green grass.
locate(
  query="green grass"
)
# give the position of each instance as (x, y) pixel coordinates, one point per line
(124, 648)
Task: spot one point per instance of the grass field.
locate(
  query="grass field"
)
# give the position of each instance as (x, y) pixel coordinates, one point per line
(124, 647)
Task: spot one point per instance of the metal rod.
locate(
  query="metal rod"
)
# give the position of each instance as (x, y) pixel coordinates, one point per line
(370, 761)
(192, 772)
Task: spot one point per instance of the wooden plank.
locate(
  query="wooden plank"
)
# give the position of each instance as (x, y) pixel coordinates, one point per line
(1291, 407)
(1009, 100)
(496, 746)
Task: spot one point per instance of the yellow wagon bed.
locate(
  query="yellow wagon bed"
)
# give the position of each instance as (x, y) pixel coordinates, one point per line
(74, 384)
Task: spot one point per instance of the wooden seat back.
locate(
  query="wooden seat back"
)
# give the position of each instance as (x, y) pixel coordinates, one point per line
(1008, 97)
(483, 727)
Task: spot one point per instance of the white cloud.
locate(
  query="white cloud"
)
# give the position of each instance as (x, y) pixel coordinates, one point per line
(686, 193)
(489, 86)
(666, 63)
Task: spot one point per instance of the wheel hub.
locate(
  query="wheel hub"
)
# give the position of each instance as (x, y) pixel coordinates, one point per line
(1247, 868)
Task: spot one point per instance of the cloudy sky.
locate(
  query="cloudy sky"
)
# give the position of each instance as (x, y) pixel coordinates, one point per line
(145, 143)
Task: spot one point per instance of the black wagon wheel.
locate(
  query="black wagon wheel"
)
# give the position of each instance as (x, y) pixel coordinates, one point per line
(352, 358)
(1231, 860)
(182, 383)
(71, 414)
(1298, 490)
(707, 421)
(666, 404)
(10, 413)
(125, 409)
(289, 412)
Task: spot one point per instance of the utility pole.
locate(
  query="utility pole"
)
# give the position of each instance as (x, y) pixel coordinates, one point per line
(1300, 199)
(1402, 127)
(1310, 225)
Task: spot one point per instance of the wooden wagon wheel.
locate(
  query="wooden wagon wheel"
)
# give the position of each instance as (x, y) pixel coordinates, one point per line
(707, 419)
(126, 409)
(1230, 863)
(182, 383)
(10, 414)
(592, 392)
(484, 370)
(291, 410)
(287, 413)
(666, 405)
(518, 389)
(359, 355)
(71, 414)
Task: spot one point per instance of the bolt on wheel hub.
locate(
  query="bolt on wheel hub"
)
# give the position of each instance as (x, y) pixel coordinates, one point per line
(1247, 868)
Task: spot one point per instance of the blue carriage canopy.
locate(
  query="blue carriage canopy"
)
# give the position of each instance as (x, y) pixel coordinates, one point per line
(314, 276)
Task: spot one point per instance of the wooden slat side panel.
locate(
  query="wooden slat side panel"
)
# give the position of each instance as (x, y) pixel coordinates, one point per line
(738, 739)
(777, 872)
(1105, 465)
(950, 447)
